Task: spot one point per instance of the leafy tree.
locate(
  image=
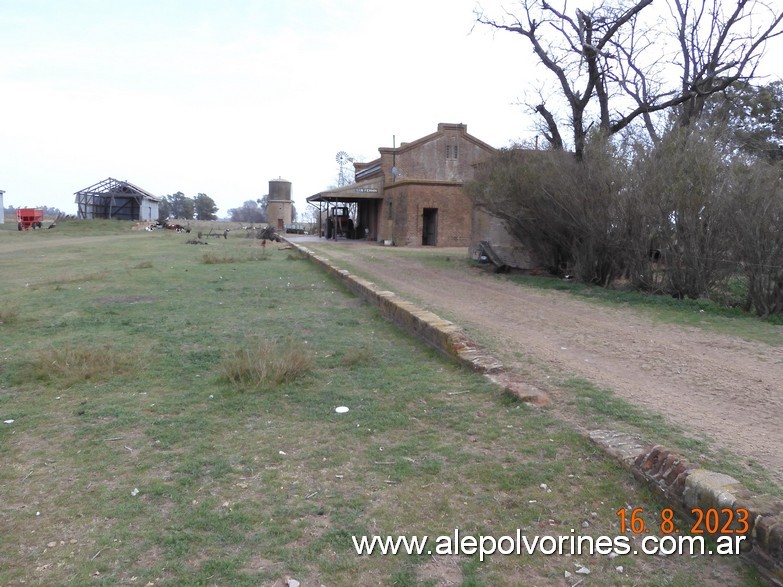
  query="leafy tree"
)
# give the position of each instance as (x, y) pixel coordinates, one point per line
(181, 206)
(49, 212)
(205, 207)
(755, 116)
(164, 209)
(252, 212)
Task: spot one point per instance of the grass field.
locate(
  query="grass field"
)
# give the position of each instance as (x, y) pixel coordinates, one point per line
(154, 432)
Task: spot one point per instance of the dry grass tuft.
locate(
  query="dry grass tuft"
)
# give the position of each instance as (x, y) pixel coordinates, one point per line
(9, 316)
(64, 279)
(355, 357)
(74, 363)
(265, 363)
(213, 259)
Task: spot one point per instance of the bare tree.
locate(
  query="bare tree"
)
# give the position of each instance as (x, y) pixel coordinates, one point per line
(613, 67)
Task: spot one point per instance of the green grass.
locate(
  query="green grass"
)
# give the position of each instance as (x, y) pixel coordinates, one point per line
(133, 459)
(602, 408)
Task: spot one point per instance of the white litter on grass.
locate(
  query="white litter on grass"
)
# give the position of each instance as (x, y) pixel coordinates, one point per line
(12, 421)
(582, 570)
(135, 491)
(341, 409)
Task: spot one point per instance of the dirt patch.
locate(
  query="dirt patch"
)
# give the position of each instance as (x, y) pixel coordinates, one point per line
(714, 386)
(442, 570)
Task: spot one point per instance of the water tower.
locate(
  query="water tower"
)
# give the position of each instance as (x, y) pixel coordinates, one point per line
(279, 203)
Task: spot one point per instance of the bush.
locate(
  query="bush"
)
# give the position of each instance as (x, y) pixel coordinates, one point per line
(758, 235)
(680, 212)
(563, 209)
(682, 217)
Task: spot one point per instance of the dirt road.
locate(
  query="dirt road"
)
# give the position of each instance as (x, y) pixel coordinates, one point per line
(715, 386)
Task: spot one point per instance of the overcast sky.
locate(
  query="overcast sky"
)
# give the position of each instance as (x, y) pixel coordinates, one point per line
(220, 96)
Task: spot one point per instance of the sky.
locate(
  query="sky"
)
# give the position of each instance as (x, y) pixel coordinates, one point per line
(221, 96)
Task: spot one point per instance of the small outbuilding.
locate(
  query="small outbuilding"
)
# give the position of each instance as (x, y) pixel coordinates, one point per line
(119, 200)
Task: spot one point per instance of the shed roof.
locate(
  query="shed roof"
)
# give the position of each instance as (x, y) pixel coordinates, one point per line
(113, 186)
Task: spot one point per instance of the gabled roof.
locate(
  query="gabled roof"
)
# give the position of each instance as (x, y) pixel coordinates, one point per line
(442, 126)
(373, 168)
(114, 186)
(372, 171)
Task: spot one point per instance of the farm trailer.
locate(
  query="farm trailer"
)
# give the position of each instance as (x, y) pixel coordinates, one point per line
(27, 218)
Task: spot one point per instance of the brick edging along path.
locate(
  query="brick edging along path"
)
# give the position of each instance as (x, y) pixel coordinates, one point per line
(685, 485)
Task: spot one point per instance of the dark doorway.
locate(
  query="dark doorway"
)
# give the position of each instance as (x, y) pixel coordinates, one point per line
(430, 227)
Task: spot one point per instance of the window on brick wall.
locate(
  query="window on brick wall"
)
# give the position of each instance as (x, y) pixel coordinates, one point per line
(451, 151)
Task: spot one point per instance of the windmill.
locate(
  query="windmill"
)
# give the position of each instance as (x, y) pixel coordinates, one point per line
(343, 160)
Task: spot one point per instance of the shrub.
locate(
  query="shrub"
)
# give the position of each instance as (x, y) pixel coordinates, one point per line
(563, 209)
(758, 235)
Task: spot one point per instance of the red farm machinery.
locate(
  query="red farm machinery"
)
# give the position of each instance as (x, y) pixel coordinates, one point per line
(27, 218)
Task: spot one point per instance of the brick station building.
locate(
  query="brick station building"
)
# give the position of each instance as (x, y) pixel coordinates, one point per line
(412, 194)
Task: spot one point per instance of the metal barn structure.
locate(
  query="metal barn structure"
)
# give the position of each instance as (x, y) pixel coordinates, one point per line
(120, 200)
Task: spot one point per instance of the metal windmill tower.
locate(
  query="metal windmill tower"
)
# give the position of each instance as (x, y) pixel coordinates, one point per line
(343, 160)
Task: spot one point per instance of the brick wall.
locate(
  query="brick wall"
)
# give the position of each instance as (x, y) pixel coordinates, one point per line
(409, 199)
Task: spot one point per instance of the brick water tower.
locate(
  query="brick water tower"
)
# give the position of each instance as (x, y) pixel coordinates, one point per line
(278, 206)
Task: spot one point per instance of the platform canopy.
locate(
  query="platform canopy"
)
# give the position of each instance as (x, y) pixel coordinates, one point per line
(371, 189)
